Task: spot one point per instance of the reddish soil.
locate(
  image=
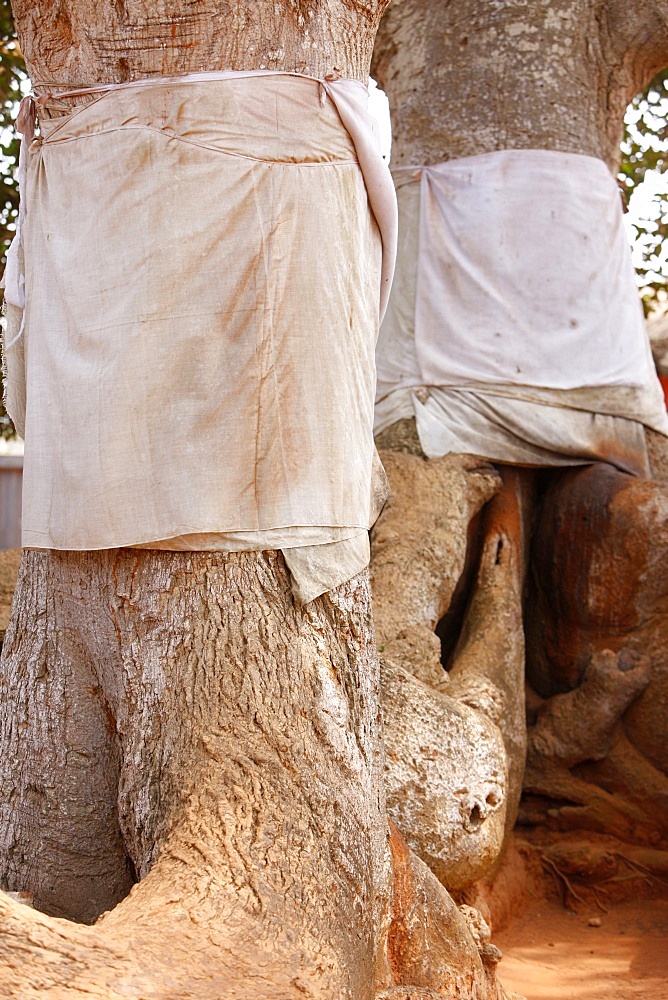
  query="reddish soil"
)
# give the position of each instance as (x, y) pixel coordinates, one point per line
(554, 954)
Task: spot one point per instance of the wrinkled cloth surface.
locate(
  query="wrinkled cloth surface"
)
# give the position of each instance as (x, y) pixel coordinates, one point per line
(514, 328)
(203, 273)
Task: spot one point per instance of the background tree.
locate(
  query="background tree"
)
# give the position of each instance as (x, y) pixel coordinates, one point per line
(463, 79)
(643, 149)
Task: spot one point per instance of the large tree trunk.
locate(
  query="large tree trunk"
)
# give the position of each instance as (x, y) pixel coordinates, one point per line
(82, 42)
(179, 719)
(242, 734)
(183, 706)
(465, 78)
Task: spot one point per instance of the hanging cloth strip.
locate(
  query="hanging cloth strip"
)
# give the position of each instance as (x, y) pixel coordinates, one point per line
(514, 328)
(204, 276)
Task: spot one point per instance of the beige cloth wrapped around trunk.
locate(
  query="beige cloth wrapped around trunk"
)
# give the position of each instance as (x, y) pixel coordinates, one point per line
(203, 277)
(514, 329)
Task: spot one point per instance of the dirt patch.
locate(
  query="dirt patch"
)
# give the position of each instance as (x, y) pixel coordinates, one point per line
(579, 917)
(552, 953)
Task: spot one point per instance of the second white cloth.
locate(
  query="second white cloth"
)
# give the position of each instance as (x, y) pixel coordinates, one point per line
(515, 291)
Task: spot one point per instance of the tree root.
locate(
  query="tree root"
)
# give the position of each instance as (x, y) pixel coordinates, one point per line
(167, 940)
(581, 868)
(420, 547)
(434, 945)
(565, 884)
(583, 726)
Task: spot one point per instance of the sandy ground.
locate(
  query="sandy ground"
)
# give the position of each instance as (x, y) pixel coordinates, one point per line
(551, 953)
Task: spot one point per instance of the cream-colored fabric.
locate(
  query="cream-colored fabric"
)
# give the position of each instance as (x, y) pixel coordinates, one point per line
(334, 556)
(519, 432)
(438, 361)
(315, 569)
(203, 278)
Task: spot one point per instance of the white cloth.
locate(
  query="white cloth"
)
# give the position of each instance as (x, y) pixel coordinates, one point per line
(203, 282)
(514, 329)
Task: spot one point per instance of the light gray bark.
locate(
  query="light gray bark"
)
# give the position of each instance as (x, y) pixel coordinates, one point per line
(472, 76)
(456, 741)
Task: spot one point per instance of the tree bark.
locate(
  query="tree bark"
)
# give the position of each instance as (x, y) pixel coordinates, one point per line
(182, 707)
(245, 732)
(185, 721)
(246, 744)
(465, 78)
(448, 560)
(82, 42)
(597, 629)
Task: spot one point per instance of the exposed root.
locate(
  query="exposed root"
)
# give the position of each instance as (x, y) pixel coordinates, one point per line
(562, 881)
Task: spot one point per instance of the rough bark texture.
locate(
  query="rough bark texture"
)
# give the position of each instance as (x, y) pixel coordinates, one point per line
(448, 931)
(245, 732)
(83, 42)
(263, 812)
(243, 735)
(487, 667)
(177, 717)
(465, 78)
(446, 778)
(456, 741)
(469, 76)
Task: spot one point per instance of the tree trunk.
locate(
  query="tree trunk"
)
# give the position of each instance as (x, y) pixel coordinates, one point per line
(466, 78)
(597, 756)
(246, 746)
(448, 558)
(82, 42)
(182, 706)
(244, 737)
(186, 722)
